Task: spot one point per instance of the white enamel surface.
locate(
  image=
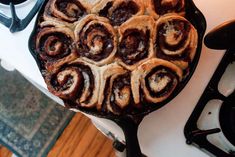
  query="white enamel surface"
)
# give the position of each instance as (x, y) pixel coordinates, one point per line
(160, 133)
(209, 119)
(227, 83)
(7, 66)
(20, 8)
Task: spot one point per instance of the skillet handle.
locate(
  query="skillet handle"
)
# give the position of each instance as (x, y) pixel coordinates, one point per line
(130, 125)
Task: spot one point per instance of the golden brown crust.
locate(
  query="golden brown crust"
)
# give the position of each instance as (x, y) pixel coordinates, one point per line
(111, 95)
(96, 40)
(159, 74)
(157, 8)
(135, 41)
(77, 83)
(176, 40)
(118, 11)
(114, 56)
(65, 11)
(54, 46)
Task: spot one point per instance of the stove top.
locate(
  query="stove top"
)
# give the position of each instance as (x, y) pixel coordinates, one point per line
(212, 123)
(161, 133)
(9, 17)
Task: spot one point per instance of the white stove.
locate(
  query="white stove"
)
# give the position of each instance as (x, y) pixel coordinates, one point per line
(210, 126)
(160, 133)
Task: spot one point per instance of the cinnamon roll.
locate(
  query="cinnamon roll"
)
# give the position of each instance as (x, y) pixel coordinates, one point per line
(54, 46)
(115, 89)
(135, 41)
(118, 11)
(114, 57)
(66, 11)
(154, 81)
(176, 40)
(157, 8)
(96, 40)
(76, 83)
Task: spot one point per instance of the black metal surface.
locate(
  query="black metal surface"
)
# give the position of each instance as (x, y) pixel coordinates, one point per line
(130, 122)
(14, 23)
(222, 37)
(199, 137)
(7, 2)
(119, 146)
(130, 129)
(227, 118)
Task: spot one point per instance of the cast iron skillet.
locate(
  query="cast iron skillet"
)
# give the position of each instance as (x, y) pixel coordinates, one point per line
(130, 122)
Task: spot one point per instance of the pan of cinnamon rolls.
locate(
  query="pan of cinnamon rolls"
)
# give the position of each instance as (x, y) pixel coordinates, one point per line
(117, 59)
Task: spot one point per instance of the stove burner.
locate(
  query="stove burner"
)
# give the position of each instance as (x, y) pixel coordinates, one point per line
(227, 118)
(14, 23)
(7, 2)
(194, 135)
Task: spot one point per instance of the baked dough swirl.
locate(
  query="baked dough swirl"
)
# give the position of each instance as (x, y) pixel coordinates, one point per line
(176, 40)
(115, 89)
(115, 57)
(64, 10)
(96, 40)
(157, 8)
(76, 83)
(54, 46)
(135, 41)
(119, 11)
(154, 81)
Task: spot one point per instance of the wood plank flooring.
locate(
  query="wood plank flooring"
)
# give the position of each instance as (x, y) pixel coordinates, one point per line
(79, 139)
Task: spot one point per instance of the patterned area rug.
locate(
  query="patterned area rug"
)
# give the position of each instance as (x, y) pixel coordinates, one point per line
(30, 123)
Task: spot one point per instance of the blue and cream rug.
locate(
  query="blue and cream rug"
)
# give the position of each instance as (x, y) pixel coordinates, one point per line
(30, 123)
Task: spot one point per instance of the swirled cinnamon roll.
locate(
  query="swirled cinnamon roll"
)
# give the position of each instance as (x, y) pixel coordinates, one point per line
(157, 8)
(54, 46)
(96, 40)
(176, 40)
(135, 41)
(118, 11)
(114, 57)
(115, 89)
(66, 11)
(154, 81)
(76, 83)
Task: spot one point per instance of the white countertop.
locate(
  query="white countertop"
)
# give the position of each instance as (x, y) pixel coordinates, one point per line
(160, 133)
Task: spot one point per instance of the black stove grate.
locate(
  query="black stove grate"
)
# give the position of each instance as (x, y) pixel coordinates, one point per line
(14, 23)
(199, 137)
(7, 2)
(227, 118)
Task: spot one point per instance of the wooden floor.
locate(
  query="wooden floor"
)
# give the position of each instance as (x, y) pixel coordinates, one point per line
(79, 139)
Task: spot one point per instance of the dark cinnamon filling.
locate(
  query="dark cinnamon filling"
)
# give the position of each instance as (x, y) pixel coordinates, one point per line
(54, 46)
(107, 90)
(134, 46)
(158, 74)
(122, 85)
(82, 70)
(182, 29)
(122, 13)
(66, 83)
(86, 70)
(105, 11)
(120, 93)
(101, 44)
(168, 7)
(72, 9)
